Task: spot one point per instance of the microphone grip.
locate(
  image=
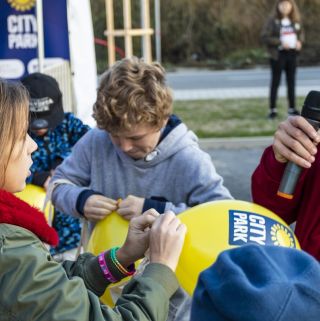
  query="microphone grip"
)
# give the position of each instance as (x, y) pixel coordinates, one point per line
(292, 171)
(289, 180)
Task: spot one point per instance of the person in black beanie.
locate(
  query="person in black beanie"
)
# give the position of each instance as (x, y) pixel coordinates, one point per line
(55, 133)
(259, 283)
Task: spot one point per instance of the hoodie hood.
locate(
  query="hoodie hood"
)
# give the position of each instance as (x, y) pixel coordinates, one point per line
(177, 139)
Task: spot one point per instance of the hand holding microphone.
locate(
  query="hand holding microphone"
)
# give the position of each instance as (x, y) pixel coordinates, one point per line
(295, 141)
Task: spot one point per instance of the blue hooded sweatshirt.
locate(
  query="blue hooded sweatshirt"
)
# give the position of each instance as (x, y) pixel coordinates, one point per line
(177, 172)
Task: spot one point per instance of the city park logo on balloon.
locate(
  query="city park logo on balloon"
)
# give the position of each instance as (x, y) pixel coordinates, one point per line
(246, 227)
(22, 5)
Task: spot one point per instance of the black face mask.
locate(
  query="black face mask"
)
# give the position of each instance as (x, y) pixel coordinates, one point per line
(38, 124)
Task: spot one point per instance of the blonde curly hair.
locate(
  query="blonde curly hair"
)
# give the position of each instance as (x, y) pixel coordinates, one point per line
(132, 93)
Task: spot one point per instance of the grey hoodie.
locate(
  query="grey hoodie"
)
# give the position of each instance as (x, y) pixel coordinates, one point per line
(176, 170)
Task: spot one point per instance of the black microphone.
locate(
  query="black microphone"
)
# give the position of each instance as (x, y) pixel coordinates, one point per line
(311, 112)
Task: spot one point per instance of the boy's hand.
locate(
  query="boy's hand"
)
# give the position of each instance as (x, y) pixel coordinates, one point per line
(130, 207)
(97, 207)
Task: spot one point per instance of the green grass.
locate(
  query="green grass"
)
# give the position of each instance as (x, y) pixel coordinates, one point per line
(231, 117)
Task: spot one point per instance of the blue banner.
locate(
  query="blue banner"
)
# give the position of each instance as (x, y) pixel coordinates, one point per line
(18, 35)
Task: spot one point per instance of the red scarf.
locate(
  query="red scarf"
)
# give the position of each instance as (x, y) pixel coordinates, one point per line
(17, 212)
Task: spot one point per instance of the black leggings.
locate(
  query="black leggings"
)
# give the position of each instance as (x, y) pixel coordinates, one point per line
(287, 61)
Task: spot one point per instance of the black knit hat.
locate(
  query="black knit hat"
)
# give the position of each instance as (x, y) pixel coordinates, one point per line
(46, 110)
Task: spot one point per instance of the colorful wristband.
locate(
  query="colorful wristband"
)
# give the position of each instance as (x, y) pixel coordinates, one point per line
(106, 272)
(129, 271)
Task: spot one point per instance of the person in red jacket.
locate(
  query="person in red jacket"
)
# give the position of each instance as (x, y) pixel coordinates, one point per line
(297, 141)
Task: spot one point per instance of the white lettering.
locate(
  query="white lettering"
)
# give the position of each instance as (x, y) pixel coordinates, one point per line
(249, 228)
(240, 227)
(22, 31)
(257, 219)
(22, 23)
(258, 239)
(12, 24)
(241, 215)
(257, 229)
(240, 237)
(24, 41)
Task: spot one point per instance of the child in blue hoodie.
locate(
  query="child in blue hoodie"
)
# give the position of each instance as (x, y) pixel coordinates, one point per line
(140, 153)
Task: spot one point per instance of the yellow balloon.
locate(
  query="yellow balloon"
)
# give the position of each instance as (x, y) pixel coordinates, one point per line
(35, 196)
(217, 226)
(108, 233)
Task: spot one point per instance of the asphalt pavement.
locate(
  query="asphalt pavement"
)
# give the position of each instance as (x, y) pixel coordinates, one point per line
(235, 160)
(191, 84)
(236, 166)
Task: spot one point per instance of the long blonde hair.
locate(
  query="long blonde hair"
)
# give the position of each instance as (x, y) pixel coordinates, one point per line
(14, 111)
(294, 15)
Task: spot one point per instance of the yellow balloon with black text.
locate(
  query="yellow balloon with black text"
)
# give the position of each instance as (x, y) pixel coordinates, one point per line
(34, 196)
(220, 225)
(108, 233)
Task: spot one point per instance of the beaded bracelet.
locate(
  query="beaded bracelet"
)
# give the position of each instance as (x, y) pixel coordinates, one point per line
(106, 272)
(129, 271)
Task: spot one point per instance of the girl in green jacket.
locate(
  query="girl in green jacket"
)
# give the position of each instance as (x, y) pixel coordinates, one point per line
(33, 286)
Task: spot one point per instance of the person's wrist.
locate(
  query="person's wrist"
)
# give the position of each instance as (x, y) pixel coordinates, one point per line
(161, 260)
(124, 257)
(105, 269)
(111, 267)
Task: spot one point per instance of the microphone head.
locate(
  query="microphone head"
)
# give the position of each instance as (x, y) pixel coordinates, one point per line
(311, 106)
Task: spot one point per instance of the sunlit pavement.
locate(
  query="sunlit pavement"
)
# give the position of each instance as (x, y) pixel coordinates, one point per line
(194, 84)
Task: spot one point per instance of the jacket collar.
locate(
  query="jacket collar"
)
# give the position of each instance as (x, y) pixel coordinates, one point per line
(17, 212)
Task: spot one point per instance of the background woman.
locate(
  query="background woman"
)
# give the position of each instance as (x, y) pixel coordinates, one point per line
(283, 36)
(33, 286)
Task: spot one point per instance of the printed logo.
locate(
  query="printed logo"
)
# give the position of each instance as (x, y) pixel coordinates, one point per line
(246, 227)
(22, 5)
(281, 236)
(39, 105)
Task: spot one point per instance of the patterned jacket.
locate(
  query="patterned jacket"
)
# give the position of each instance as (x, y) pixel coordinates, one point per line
(53, 148)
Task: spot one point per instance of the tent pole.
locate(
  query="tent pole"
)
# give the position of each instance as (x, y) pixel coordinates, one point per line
(39, 13)
(157, 20)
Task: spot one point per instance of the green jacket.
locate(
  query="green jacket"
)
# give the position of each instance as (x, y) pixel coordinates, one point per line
(270, 35)
(34, 287)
